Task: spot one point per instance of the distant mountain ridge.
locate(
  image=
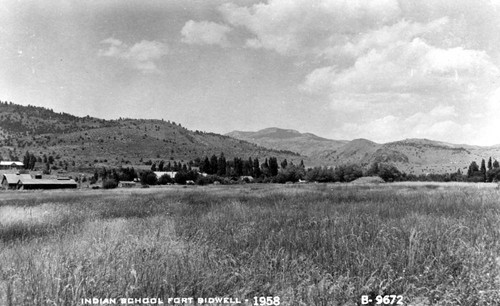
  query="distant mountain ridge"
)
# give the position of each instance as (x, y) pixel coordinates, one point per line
(418, 156)
(287, 139)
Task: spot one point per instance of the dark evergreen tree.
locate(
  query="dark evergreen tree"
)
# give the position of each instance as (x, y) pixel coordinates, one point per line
(213, 165)
(473, 169)
(273, 166)
(205, 166)
(483, 169)
(221, 165)
(256, 168)
(250, 167)
(265, 168)
(161, 165)
(284, 163)
(302, 164)
(153, 167)
(238, 166)
(26, 160)
(496, 164)
(490, 164)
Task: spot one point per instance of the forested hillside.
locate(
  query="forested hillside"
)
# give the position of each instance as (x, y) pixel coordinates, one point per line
(86, 142)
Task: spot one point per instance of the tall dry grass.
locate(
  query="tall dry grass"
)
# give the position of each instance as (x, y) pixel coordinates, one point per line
(309, 245)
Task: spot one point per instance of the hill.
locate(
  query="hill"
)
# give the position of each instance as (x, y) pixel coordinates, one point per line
(416, 156)
(87, 142)
(285, 139)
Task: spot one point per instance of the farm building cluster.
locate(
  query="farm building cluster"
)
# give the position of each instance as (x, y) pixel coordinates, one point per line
(14, 180)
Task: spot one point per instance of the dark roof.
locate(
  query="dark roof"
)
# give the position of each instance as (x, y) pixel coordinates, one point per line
(46, 182)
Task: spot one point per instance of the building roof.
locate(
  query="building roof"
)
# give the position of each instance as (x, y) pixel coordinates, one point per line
(14, 178)
(10, 163)
(160, 173)
(31, 181)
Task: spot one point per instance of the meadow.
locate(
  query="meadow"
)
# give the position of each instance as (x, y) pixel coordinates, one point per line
(312, 244)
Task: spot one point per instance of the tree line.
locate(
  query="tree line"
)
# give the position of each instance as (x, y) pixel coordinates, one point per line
(487, 172)
(271, 170)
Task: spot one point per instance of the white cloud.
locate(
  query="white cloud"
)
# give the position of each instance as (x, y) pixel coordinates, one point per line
(381, 38)
(141, 56)
(303, 26)
(405, 68)
(205, 33)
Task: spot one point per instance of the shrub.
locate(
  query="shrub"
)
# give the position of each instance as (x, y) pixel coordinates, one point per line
(181, 177)
(165, 179)
(149, 178)
(109, 184)
(291, 173)
(210, 179)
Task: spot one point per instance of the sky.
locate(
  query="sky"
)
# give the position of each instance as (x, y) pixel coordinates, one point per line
(384, 70)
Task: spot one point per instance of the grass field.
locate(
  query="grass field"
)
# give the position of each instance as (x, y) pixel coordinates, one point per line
(308, 245)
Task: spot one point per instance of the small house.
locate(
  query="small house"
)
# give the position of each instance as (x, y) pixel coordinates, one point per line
(6, 165)
(126, 184)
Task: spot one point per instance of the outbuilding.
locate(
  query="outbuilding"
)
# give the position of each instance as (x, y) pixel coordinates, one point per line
(8, 164)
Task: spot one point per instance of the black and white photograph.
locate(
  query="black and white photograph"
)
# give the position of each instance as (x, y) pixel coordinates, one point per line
(250, 152)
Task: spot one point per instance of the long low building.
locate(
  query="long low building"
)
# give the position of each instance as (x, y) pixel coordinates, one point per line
(26, 182)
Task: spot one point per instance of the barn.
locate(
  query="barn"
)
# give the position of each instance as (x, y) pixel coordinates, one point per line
(9, 181)
(28, 184)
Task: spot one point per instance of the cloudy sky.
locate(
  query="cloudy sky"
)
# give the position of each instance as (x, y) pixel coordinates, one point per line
(382, 69)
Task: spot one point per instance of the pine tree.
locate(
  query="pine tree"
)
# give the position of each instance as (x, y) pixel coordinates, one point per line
(284, 163)
(490, 165)
(213, 164)
(26, 160)
(32, 162)
(221, 165)
(273, 166)
(496, 164)
(256, 168)
(483, 168)
(238, 166)
(473, 168)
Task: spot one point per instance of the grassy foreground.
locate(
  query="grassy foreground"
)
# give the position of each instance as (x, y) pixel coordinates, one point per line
(308, 245)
